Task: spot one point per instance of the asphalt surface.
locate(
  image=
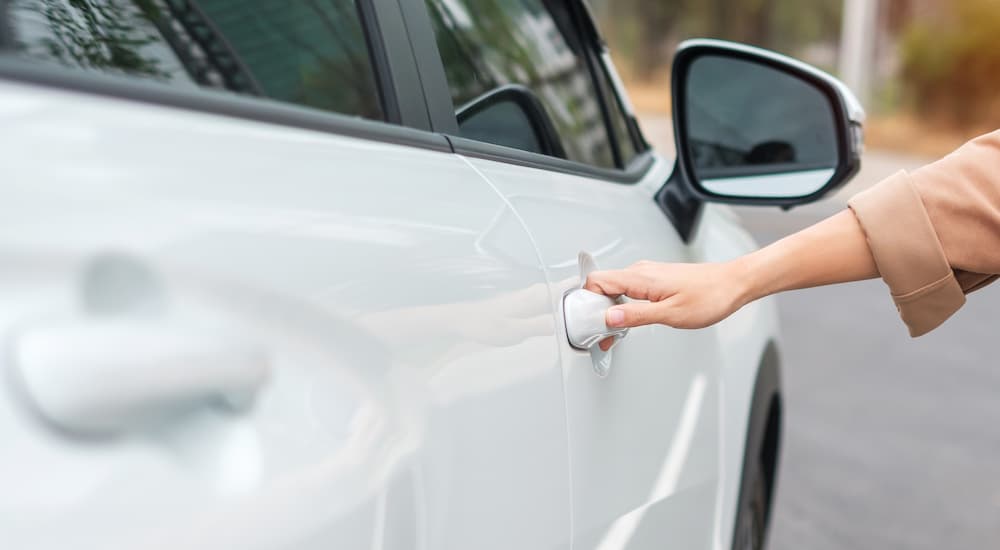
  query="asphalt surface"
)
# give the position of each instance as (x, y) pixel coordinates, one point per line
(890, 442)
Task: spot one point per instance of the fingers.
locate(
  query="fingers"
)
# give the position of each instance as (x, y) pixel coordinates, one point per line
(650, 281)
(630, 282)
(635, 314)
(607, 343)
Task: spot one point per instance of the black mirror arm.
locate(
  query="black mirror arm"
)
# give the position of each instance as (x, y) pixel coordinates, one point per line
(682, 207)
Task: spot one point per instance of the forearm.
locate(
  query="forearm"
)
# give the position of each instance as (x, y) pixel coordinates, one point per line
(832, 251)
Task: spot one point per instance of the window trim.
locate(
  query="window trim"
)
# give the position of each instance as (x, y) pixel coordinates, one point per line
(375, 40)
(393, 63)
(634, 172)
(444, 119)
(430, 69)
(398, 60)
(219, 103)
(6, 36)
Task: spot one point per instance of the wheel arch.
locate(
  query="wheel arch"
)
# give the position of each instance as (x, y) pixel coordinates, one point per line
(762, 447)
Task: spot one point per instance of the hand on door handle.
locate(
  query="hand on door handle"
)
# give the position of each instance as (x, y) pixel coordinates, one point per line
(584, 313)
(99, 376)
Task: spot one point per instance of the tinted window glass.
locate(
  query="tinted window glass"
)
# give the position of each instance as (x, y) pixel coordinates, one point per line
(619, 123)
(299, 51)
(487, 44)
(113, 37)
(311, 52)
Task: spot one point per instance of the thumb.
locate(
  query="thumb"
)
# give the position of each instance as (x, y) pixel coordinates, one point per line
(633, 314)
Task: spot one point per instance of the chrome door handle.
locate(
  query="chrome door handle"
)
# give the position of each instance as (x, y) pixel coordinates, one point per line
(584, 313)
(94, 376)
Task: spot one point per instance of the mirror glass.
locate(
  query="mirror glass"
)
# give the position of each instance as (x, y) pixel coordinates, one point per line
(755, 131)
(501, 121)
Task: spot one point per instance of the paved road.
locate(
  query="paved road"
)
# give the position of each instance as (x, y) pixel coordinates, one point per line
(891, 443)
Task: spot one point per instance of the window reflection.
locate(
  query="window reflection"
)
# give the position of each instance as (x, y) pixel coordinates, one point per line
(486, 44)
(309, 52)
(619, 122)
(115, 37)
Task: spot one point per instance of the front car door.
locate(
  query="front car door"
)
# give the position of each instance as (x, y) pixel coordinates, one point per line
(644, 440)
(227, 324)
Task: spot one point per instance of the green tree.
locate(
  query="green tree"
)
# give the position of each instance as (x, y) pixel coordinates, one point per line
(106, 35)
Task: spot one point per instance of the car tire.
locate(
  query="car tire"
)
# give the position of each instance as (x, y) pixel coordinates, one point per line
(751, 518)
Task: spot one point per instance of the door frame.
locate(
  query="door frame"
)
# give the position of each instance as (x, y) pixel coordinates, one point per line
(437, 93)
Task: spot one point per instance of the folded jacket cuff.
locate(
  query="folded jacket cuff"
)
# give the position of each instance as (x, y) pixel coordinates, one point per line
(908, 253)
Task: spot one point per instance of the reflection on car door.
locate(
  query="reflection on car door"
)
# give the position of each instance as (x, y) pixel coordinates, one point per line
(644, 441)
(414, 398)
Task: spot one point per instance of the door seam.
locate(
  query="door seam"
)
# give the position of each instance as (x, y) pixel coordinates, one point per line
(557, 318)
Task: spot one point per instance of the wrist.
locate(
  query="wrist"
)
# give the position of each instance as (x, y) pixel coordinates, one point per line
(749, 274)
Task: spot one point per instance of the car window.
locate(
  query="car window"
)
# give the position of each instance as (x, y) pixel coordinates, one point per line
(310, 53)
(619, 122)
(489, 44)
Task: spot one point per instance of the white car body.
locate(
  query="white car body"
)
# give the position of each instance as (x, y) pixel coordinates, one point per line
(409, 405)
(409, 382)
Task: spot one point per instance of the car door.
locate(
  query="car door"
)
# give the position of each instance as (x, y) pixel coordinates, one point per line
(236, 322)
(644, 440)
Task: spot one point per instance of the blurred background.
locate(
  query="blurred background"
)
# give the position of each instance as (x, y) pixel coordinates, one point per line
(891, 442)
(928, 71)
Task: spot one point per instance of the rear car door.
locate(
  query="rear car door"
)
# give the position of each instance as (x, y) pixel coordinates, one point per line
(539, 116)
(243, 310)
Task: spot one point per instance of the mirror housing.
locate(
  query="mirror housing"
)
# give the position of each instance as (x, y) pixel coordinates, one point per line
(759, 128)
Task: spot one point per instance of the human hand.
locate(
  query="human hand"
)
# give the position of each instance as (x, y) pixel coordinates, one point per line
(834, 250)
(677, 295)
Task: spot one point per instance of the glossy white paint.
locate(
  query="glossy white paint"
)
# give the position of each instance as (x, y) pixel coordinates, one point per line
(395, 315)
(167, 368)
(644, 441)
(741, 340)
(415, 398)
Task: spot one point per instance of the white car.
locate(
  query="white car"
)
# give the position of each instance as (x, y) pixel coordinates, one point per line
(304, 274)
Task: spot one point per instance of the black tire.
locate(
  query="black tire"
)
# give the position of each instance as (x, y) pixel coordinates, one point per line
(751, 518)
(762, 451)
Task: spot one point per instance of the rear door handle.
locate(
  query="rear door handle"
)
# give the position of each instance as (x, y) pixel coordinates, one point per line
(97, 376)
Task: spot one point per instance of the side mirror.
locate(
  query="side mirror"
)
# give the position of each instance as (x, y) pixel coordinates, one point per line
(511, 116)
(756, 127)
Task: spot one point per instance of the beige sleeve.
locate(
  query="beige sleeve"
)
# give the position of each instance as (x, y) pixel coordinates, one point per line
(935, 233)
